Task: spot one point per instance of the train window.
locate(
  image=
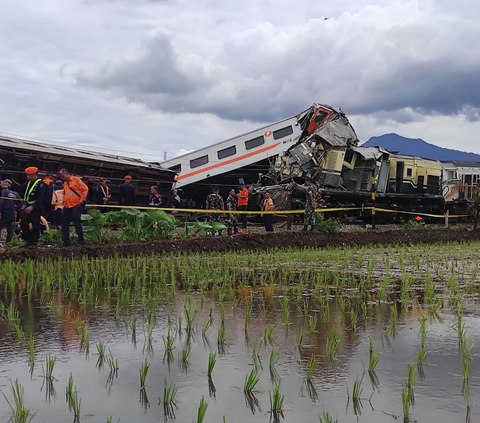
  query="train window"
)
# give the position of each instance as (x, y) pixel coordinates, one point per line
(199, 161)
(409, 171)
(320, 116)
(284, 132)
(227, 152)
(256, 142)
(349, 156)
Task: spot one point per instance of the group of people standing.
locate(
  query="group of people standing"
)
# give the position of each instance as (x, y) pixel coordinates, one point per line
(60, 200)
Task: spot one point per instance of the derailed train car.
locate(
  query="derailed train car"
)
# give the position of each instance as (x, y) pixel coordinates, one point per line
(321, 144)
(16, 154)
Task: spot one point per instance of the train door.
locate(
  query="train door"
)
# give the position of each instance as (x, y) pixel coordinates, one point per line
(383, 177)
(399, 176)
(420, 183)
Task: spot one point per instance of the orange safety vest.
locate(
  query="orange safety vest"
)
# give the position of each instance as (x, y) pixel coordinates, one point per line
(74, 192)
(243, 197)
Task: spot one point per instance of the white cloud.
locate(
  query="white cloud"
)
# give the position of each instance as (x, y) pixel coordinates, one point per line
(144, 77)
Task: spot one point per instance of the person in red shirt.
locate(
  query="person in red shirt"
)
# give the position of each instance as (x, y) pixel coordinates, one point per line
(242, 202)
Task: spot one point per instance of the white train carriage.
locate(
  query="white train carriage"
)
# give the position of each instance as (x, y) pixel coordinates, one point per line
(246, 149)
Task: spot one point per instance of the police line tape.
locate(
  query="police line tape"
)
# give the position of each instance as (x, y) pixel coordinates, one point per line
(324, 210)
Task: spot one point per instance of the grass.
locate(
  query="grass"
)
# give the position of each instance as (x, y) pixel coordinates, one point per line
(406, 402)
(100, 349)
(268, 333)
(169, 394)
(212, 359)
(19, 413)
(421, 356)
(222, 336)
(276, 401)
(202, 410)
(74, 403)
(332, 341)
(143, 374)
(251, 382)
(311, 367)
(184, 355)
(372, 364)
(273, 358)
(327, 418)
(49, 366)
(312, 323)
(168, 341)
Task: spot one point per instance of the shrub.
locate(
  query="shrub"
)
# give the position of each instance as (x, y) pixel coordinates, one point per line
(329, 226)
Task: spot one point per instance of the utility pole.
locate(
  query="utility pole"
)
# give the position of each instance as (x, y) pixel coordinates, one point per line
(164, 156)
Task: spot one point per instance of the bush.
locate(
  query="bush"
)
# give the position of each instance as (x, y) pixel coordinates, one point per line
(329, 226)
(412, 224)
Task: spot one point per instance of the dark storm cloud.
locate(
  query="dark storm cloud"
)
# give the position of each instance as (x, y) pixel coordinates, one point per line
(415, 55)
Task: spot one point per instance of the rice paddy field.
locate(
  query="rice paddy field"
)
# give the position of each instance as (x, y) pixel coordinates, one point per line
(372, 334)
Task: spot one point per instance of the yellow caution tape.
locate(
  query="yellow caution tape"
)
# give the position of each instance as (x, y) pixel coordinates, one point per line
(374, 209)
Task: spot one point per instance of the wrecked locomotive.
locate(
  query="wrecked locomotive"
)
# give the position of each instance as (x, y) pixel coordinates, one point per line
(321, 144)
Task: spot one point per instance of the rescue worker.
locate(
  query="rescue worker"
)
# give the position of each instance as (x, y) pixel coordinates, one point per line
(215, 202)
(232, 206)
(268, 206)
(57, 201)
(49, 188)
(242, 204)
(155, 200)
(128, 196)
(102, 193)
(420, 221)
(9, 205)
(34, 202)
(310, 206)
(74, 195)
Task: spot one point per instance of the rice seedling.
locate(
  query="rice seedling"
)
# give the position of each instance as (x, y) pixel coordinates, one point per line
(357, 389)
(168, 399)
(49, 366)
(222, 336)
(248, 311)
(406, 402)
(411, 381)
(312, 323)
(421, 356)
(100, 349)
(353, 320)
(184, 355)
(212, 359)
(31, 348)
(276, 402)
(69, 388)
(327, 418)
(300, 339)
(189, 318)
(85, 341)
(19, 413)
(273, 358)
(371, 341)
(372, 364)
(222, 314)
(311, 367)
(268, 332)
(332, 342)
(251, 382)
(202, 410)
(143, 374)
(286, 311)
(168, 341)
(74, 404)
(206, 326)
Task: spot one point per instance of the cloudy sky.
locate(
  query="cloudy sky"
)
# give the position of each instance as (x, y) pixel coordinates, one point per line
(147, 76)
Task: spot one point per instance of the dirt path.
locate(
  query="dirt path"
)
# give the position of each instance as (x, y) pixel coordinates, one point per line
(247, 242)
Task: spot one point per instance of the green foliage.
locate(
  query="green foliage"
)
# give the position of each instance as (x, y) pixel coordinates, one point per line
(329, 226)
(50, 237)
(19, 414)
(412, 224)
(206, 228)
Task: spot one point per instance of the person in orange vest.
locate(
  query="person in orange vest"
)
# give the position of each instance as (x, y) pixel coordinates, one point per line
(242, 202)
(74, 195)
(420, 220)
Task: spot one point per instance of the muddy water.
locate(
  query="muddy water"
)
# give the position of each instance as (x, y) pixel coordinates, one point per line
(438, 394)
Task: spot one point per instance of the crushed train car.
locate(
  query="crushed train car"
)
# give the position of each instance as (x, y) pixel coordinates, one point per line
(321, 144)
(17, 154)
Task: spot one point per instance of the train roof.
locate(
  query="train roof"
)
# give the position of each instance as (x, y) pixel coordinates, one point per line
(49, 151)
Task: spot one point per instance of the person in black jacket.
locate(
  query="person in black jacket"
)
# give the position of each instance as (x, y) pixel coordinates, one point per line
(33, 199)
(128, 196)
(102, 193)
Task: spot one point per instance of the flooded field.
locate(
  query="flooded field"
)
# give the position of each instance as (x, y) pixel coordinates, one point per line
(356, 334)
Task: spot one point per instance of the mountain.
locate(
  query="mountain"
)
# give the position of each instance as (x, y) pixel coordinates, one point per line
(420, 148)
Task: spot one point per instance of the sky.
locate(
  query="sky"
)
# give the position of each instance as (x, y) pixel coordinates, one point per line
(144, 77)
